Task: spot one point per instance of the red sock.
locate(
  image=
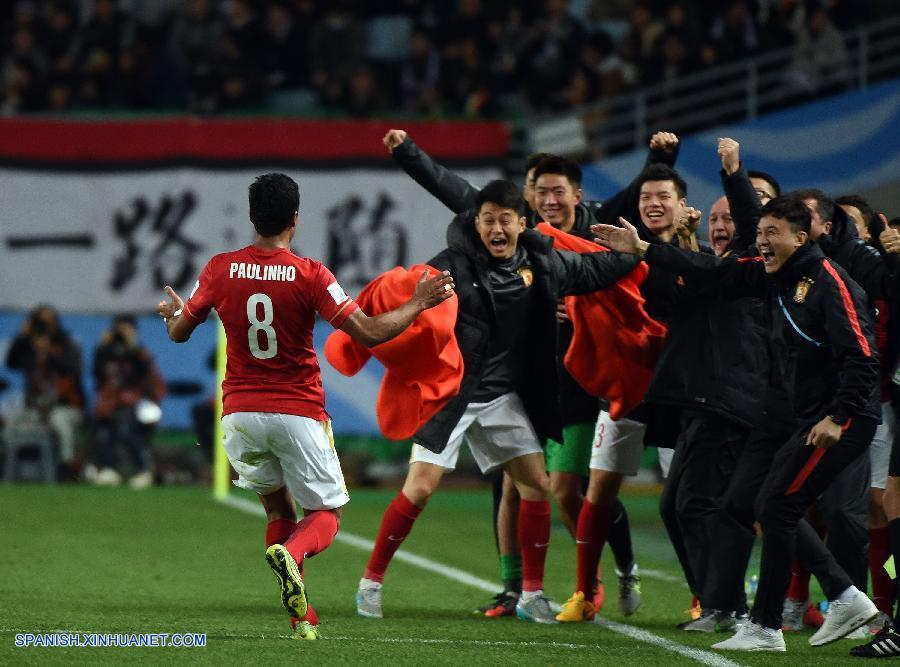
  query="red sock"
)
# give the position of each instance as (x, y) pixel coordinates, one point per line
(278, 531)
(396, 523)
(534, 536)
(590, 536)
(882, 586)
(799, 588)
(312, 535)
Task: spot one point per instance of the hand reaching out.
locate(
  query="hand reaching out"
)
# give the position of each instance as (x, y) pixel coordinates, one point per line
(433, 291)
(171, 308)
(622, 239)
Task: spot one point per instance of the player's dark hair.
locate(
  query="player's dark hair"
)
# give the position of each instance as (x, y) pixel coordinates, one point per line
(274, 198)
(502, 193)
(790, 208)
(663, 172)
(824, 203)
(768, 178)
(554, 164)
(857, 201)
(534, 160)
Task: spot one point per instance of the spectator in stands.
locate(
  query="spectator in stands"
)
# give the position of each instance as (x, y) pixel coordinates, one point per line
(245, 28)
(129, 389)
(101, 42)
(821, 56)
(419, 75)
(286, 39)
(337, 46)
(363, 95)
(51, 363)
(613, 74)
(551, 44)
(734, 32)
(468, 86)
(194, 49)
(239, 80)
(638, 42)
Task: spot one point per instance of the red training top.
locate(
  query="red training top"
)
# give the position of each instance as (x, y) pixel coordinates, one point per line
(267, 301)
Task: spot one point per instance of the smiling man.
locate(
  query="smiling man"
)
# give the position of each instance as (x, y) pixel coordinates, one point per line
(825, 344)
(508, 279)
(720, 227)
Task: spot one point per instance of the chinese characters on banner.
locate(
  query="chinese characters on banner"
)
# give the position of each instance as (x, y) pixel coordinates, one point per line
(108, 241)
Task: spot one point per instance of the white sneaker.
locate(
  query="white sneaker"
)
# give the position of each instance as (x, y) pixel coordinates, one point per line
(368, 599)
(143, 480)
(843, 618)
(629, 591)
(108, 477)
(753, 637)
(534, 606)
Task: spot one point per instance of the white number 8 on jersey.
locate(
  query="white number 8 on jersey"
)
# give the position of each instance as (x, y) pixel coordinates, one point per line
(264, 325)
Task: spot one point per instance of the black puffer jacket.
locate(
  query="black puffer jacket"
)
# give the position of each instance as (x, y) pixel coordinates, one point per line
(715, 357)
(821, 325)
(556, 274)
(877, 274)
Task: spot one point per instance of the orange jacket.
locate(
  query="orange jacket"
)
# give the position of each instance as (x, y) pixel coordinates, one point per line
(615, 343)
(423, 365)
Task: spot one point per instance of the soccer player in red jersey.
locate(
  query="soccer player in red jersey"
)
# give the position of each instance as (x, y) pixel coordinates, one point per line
(277, 434)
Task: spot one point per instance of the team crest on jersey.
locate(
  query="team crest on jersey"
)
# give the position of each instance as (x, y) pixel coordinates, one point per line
(527, 275)
(802, 289)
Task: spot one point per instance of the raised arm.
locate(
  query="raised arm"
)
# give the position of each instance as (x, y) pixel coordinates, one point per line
(371, 331)
(452, 190)
(743, 202)
(663, 149)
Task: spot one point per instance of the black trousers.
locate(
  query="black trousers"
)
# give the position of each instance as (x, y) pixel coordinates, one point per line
(846, 509)
(724, 587)
(706, 454)
(799, 475)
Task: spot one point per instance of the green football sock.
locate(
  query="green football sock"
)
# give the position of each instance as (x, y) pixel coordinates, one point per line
(511, 572)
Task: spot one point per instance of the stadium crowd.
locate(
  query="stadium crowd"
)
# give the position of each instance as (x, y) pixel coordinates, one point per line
(422, 57)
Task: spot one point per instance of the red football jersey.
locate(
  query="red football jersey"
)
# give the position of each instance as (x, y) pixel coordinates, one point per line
(267, 301)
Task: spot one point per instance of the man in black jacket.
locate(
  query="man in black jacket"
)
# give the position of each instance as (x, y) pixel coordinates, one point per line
(825, 343)
(845, 507)
(509, 280)
(568, 470)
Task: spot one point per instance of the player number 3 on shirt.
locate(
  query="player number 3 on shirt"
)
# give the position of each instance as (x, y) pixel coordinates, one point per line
(261, 325)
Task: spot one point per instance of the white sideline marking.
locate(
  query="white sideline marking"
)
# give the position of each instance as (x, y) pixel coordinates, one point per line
(704, 657)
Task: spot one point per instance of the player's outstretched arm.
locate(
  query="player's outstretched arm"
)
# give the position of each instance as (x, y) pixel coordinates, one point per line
(179, 328)
(371, 331)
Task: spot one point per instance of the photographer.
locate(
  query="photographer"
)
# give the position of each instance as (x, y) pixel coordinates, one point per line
(129, 389)
(51, 363)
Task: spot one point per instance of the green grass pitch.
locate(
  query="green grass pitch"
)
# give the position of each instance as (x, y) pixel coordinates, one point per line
(79, 559)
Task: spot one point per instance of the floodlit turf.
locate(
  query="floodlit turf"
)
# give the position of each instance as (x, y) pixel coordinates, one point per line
(79, 559)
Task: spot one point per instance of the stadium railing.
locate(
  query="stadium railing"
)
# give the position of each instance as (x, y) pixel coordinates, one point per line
(719, 95)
